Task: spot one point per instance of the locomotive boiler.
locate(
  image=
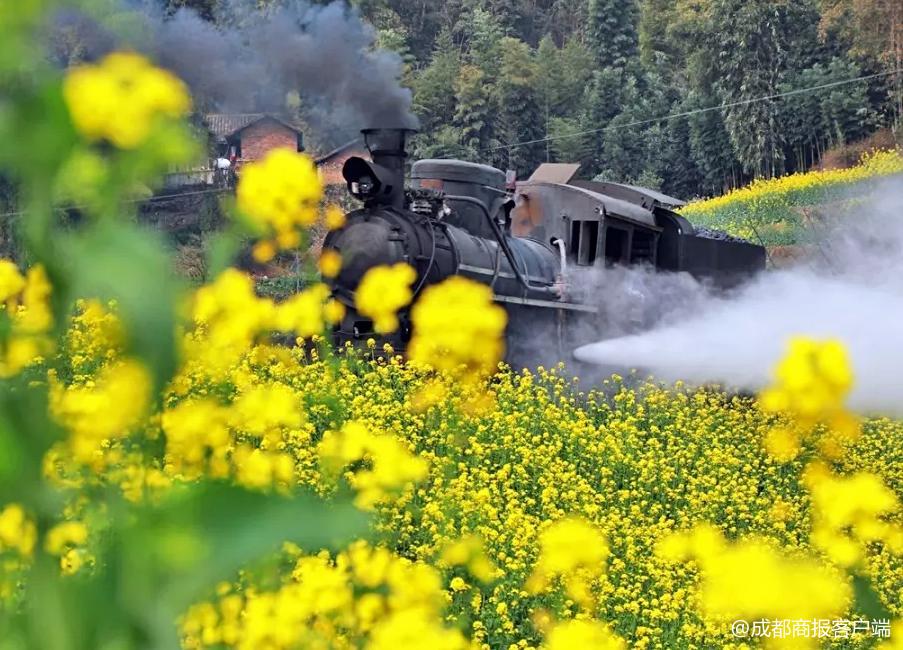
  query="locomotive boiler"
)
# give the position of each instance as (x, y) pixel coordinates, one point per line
(528, 241)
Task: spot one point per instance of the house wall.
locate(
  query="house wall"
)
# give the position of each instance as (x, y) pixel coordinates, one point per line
(331, 168)
(259, 138)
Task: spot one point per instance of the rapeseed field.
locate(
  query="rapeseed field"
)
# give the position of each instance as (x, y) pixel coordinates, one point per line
(197, 467)
(779, 211)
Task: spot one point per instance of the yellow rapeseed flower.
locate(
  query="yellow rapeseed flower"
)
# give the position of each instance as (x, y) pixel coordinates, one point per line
(334, 217)
(11, 280)
(770, 191)
(17, 531)
(304, 312)
(458, 584)
(330, 263)
(65, 535)
(279, 195)
(751, 579)
(392, 466)
(122, 98)
(26, 302)
(851, 512)
(458, 328)
(570, 635)
(106, 409)
(382, 292)
(811, 384)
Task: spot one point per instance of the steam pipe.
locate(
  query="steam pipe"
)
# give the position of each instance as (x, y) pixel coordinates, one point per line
(503, 244)
(561, 251)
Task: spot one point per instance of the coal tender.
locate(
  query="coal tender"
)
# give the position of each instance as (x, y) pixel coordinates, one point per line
(526, 240)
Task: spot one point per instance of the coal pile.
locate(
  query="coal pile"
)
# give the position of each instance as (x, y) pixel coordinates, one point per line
(712, 233)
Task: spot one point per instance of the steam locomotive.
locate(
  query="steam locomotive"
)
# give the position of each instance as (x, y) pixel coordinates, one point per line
(526, 240)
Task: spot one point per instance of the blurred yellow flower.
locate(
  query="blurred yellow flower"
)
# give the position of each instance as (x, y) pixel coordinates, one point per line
(303, 313)
(574, 550)
(468, 552)
(382, 292)
(122, 98)
(391, 465)
(333, 311)
(569, 544)
(330, 263)
(851, 512)
(812, 380)
(105, 409)
(279, 195)
(412, 629)
(65, 535)
(751, 579)
(571, 635)
(334, 218)
(263, 251)
(17, 531)
(11, 281)
(458, 329)
(26, 302)
(811, 384)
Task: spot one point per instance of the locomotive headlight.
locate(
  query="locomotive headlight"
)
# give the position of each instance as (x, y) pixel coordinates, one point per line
(362, 187)
(367, 181)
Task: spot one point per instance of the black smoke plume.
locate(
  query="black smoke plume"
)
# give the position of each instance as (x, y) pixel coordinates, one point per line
(252, 60)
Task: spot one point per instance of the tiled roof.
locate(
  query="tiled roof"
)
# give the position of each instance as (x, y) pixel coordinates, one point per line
(355, 145)
(223, 125)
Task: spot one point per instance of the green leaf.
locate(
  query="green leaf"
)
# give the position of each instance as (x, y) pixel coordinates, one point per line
(177, 552)
(123, 262)
(160, 559)
(221, 251)
(867, 601)
(26, 432)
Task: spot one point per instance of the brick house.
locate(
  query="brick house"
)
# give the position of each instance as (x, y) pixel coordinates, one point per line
(330, 164)
(246, 137)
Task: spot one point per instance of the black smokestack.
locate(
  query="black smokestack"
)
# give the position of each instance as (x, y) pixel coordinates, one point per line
(388, 151)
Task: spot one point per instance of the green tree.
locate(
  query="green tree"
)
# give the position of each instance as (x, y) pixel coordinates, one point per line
(392, 35)
(655, 41)
(519, 116)
(473, 111)
(444, 142)
(567, 142)
(562, 76)
(710, 145)
(601, 102)
(680, 175)
(634, 140)
(433, 87)
(611, 32)
(483, 33)
(749, 61)
(826, 118)
(206, 9)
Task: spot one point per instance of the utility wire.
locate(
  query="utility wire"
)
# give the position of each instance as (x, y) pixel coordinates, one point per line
(152, 199)
(720, 107)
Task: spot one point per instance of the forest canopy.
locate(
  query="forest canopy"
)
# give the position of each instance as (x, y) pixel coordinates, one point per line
(588, 81)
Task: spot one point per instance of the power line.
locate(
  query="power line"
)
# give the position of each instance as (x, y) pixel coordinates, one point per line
(152, 199)
(720, 107)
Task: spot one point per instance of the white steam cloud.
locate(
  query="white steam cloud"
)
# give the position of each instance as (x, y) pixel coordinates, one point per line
(855, 294)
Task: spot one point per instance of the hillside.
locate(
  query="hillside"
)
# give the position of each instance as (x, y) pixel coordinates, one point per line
(790, 210)
(691, 97)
